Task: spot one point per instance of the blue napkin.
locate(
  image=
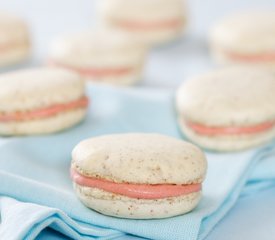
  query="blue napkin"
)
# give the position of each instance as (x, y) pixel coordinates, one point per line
(36, 190)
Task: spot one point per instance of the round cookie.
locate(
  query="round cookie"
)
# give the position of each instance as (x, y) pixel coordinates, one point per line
(14, 40)
(40, 101)
(104, 56)
(229, 109)
(139, 176)
(150, 21)
(245, 38)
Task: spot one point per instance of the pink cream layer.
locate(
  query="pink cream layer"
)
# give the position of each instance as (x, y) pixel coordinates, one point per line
(44, 112)
(173, 23)
(140, 191)
(264, 57)
(206, 130)
(94, 72)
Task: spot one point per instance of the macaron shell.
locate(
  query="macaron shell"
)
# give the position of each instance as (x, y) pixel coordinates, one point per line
(246, 32)
(48, 125)
(146, 10)
(248, 98)
(142, 158)
(15, 55)
(227, 143)
(133, 76)
(36, 88)
(104, 48)
(124, 207)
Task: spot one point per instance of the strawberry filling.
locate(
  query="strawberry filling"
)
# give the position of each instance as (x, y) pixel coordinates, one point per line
(140, 191)
(206, 130)
(45, 112)
(95, 72)
(173, 23)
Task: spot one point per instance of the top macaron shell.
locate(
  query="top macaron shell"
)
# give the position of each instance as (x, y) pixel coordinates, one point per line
(102, 48)
(233, 96)
(126, 158)
(12, 28)
(37, 88)
(145, 10)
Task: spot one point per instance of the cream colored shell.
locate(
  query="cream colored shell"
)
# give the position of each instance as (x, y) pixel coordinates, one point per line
(37, 88)
(140, 158)
(236, 96)
(246, 32)
(144, 10)
(98, 49)
(12, 29)
(125, 207)
(130, 78)
(15, 55)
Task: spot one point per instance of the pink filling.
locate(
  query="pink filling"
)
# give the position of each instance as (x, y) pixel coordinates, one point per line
(173, 23)
(264, 57)
(141, 191)
(206, 130)
(93, 72)
(44, 112)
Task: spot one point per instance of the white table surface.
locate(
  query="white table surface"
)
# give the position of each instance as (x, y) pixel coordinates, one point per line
(166, 67)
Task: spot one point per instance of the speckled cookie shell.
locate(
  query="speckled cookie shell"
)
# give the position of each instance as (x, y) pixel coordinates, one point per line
(244, 33)
(125, 207)
(234, 96)
(113, 11)
(36, 88)
(13, 32)
(140, 159)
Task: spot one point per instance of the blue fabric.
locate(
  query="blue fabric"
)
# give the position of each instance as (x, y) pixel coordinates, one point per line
(36, 190)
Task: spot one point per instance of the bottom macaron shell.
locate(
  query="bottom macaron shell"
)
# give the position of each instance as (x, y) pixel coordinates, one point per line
(222, 57)
(227, 143)
(130, 78)
(121, 206)
(56, 123)
(14, 55)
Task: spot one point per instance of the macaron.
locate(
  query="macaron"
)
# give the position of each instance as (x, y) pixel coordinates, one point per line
(228, 109)
(40, 101)
(14, 40)
(137, 175)
(150, 21)
(245, 38)
(103, 56)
